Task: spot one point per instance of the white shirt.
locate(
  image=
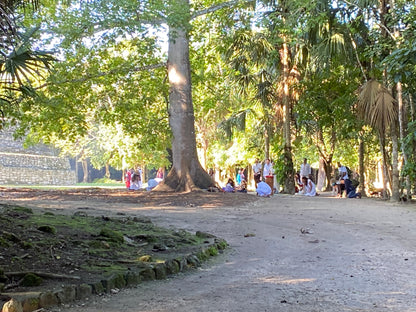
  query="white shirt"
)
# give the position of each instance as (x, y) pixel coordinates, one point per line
(267, 170)
(263, 189)
(257, 167)
(340, 171)
(305, 170)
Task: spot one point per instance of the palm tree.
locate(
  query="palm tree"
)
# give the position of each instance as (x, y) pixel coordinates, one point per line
(19, 64)
(378, 108)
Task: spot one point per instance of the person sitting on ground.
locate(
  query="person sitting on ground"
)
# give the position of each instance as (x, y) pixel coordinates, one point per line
(243, 187)
(135, 181)
(263, 189)
(309, 187)
(352, 192)
(230, 186)
(298, 183)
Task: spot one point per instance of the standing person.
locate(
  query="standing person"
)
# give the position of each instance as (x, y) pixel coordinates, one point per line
(276, 186)
(240, 176)
(256, 171)
(128, 178)
(267, 169)
(305, 169)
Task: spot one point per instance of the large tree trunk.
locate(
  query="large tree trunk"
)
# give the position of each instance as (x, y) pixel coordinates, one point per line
(187, 173)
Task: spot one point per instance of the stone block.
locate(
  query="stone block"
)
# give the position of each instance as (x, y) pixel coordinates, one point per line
(172, 266)
(83, 291)
(98, 288)
(67, 294)
(132, 278)
(147, 274)
(113, 282)
(48, 299)
(30, 304)
(160, 271)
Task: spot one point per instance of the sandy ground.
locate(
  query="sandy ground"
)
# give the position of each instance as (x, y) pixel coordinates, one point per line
(287, 253)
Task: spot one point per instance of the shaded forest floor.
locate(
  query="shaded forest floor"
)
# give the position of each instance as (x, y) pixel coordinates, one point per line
(67, 236)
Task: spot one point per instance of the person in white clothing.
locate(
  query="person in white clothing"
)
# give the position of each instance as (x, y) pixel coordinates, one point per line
(263, 189)
(309, 187)
(305, 169)
(256, 170)
(267, 169)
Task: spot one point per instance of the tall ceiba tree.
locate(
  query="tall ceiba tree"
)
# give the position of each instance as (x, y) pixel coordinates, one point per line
(187, 173)
(89, 33)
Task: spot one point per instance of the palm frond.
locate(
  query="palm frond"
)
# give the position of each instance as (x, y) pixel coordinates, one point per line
(376, 105)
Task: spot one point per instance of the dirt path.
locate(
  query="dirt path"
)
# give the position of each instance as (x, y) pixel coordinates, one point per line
(353, 255)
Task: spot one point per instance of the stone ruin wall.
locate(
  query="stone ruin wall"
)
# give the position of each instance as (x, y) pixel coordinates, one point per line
(38, 165)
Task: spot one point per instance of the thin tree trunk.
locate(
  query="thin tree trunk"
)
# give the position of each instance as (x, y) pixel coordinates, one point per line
(267, 143)
(107, 170)
(395, 196)
(84, 163)
(289, 186)
(361, 167)
(384, 165)
(402, 128)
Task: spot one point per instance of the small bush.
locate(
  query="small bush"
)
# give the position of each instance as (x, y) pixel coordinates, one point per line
(31, 279)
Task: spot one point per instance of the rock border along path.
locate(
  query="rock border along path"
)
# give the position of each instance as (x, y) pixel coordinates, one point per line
(287, 253)
(33, 301)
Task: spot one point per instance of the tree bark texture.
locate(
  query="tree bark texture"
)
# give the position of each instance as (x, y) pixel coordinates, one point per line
(187, 173)
(289, 185)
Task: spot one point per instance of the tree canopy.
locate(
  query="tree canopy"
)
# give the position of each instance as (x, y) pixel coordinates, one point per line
(218, 83)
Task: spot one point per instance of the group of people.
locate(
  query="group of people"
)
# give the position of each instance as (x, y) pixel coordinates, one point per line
(304, 184)
(241, 186)
(262, 188)
(134, 181)
(345, 183)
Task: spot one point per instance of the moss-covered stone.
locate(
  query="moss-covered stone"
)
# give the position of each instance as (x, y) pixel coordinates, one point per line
(47, 299)
(30, 304)
(160, 271)
(132, 278)
(193, 261)
(98, 288)
(172, 266)
(30, 280)
(147, 274)
(112, 235)
(221, 244)
(47, 229)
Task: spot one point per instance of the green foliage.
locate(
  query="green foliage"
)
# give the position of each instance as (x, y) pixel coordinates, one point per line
(112, 235)
(30, 280)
